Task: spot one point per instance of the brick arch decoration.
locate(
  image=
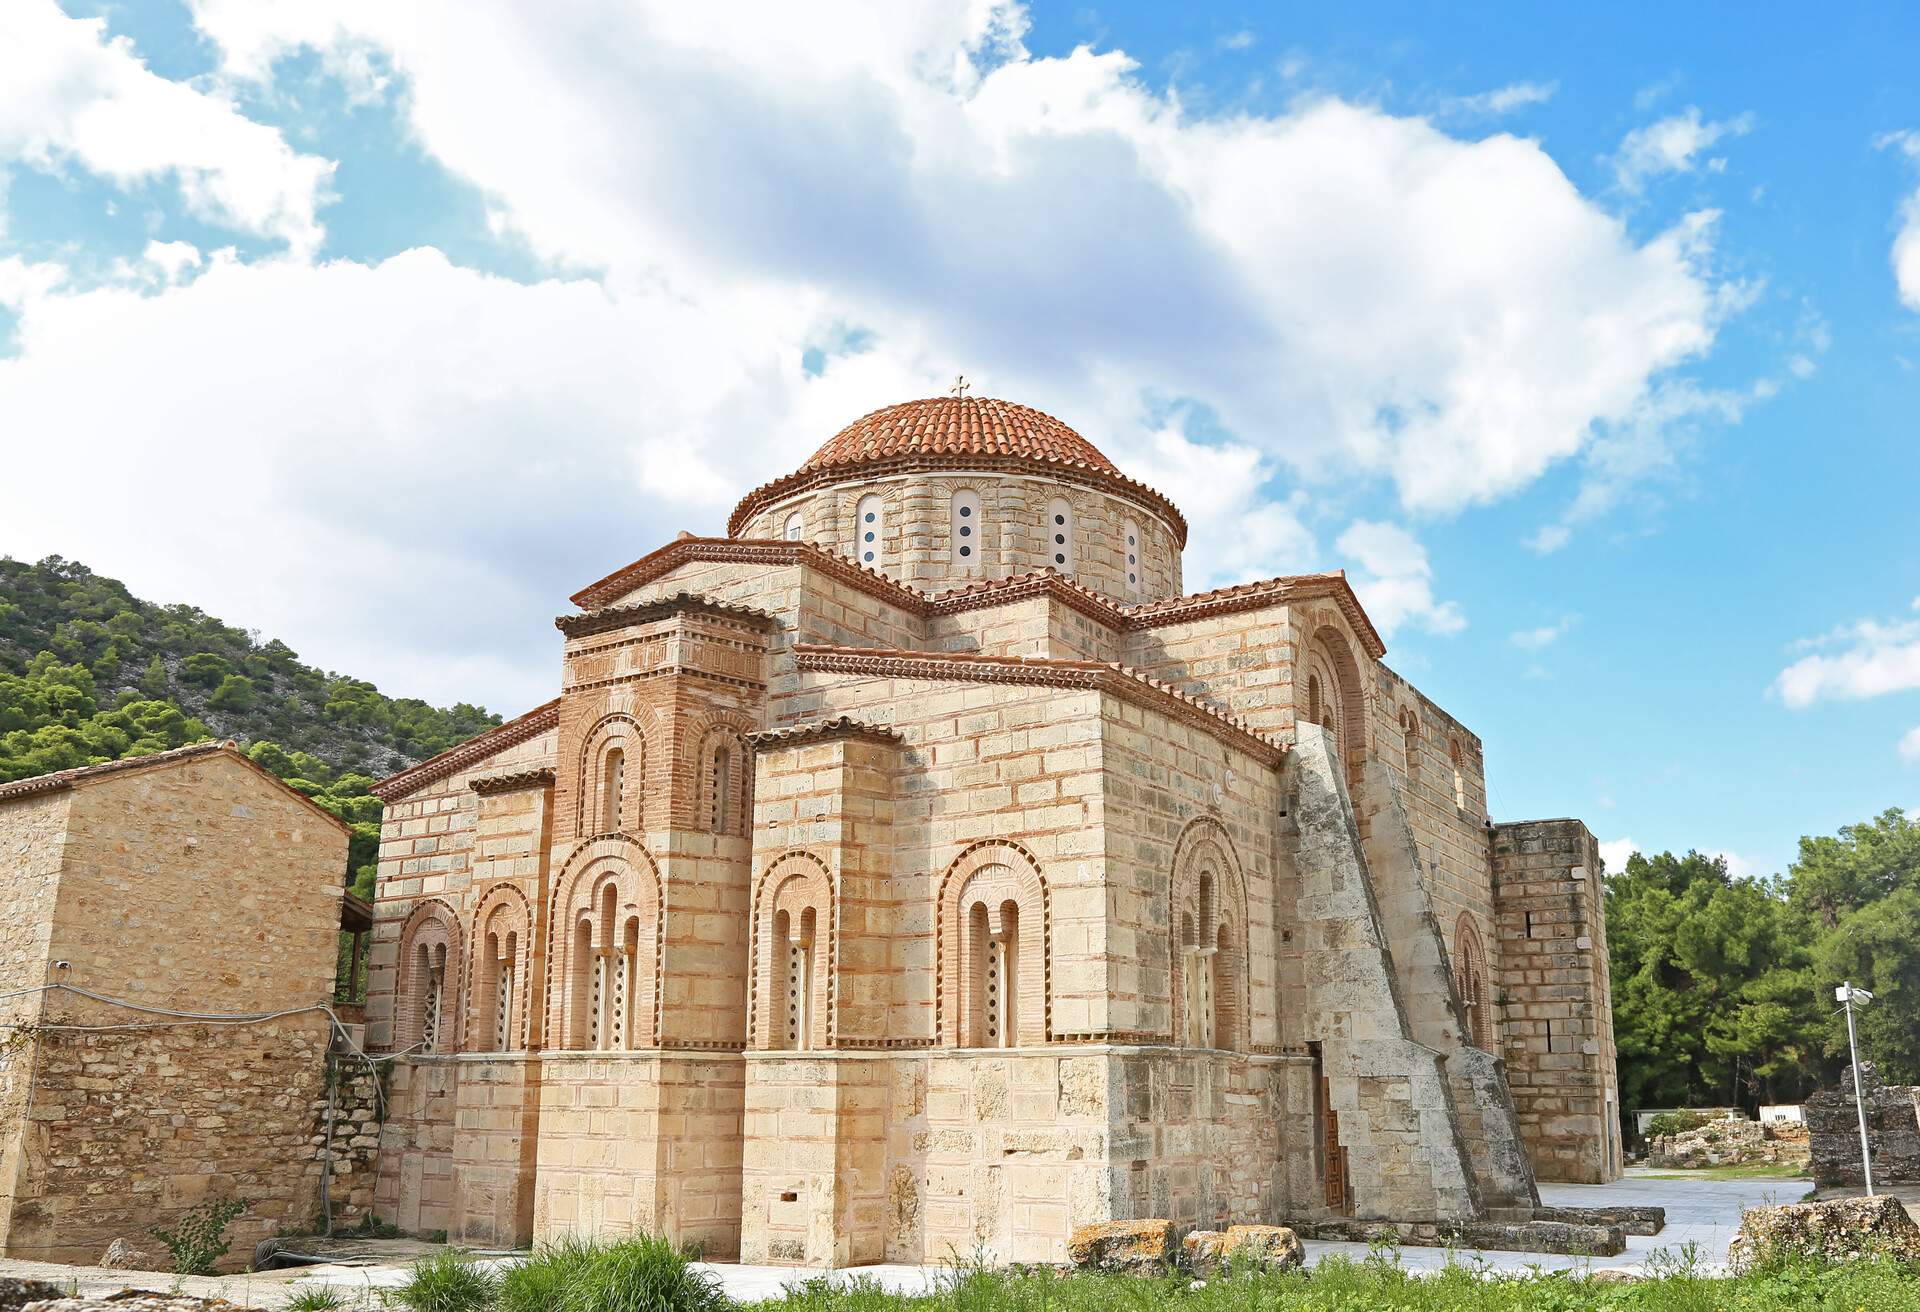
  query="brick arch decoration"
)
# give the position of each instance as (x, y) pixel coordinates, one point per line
(431, 923)
(502, 908)
(715, 732)
(792, 882)
(1329, 647)
(626, 862)
(615, 729)
(1024, 880)
(1204, 846)
(1470, 982)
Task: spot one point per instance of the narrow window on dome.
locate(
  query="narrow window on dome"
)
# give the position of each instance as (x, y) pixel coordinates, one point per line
(869, 531)
(965, 540)
(1059, 536)
(793, 527)
(1132, 531)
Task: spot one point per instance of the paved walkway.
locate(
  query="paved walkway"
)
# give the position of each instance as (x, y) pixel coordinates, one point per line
(1702, 1215)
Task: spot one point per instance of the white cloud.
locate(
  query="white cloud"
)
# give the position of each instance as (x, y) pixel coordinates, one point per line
(1395, 582)
(352, 458)
(1451, 315)
(172, 258)
(1738, 866)
(1615, 853)
(1331, 293)
(1910, 746)
(1859, 661)
(69, 95)
(1545, 636)
(1241, 40)
(1906, 243)
(1504, 100)
(1671, 145)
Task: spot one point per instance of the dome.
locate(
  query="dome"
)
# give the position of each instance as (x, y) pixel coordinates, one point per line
(950, 433)
(956, 425)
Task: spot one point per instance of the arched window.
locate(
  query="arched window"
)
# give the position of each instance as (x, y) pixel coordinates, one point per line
(1208, 917)
(613, 787)
(1313, 699)
(606, 961)
(991, 965)
(1410, 728)
(792, 530)
(967, 533)
(1059, 535)
(433, 991)
(1132, 533)
(1470, 978)
(1200, 938)
(721, 790)
(990, 951)
(611, 934)
(792, 954)
(426, 993)
(497, 1006)
(1459, 778)
(993, 975)
(869, 531)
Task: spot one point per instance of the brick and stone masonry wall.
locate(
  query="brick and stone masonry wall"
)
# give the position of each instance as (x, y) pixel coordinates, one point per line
(31, 833)
(127, 1128)
(1558, 1000)
(916, 544)
(1893, 1131)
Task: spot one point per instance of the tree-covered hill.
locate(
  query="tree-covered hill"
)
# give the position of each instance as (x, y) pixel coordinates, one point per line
(89, 672)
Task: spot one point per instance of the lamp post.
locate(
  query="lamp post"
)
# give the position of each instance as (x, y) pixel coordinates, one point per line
(1848, 995)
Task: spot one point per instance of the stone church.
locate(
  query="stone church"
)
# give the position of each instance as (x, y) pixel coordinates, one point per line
(919, 869)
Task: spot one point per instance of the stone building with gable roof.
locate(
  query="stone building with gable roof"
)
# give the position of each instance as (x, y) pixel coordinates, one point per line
(918, 868)
(167, 954)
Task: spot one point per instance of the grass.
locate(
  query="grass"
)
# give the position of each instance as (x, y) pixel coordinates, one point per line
(649, 1275)
(317, 1298)
(1751, 1171)
(1344, 1286)
(447, 1282)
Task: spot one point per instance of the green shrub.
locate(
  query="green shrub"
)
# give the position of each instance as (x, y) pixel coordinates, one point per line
(449, 1281)
(643, 1274)
(317, 1298)
(536, 1285)
(200, 1240)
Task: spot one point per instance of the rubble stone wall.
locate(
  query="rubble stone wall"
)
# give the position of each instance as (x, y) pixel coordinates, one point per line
(1893, 1131)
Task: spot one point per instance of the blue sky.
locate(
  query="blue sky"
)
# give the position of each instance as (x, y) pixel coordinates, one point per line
(1585, 340)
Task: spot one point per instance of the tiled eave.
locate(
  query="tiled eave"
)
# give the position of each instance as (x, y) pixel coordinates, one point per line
(1113, 679)
(816, 731)
(1069, 471)
(609, 618)
(519, 780)
(455, 759)
(989, 592)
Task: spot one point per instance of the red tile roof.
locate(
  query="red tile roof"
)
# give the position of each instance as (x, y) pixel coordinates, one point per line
(970, 432)
(969, 425)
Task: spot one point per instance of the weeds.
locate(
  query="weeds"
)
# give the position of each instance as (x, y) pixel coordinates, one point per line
(200, 1240)
(317, 1298)
(449, 1281)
